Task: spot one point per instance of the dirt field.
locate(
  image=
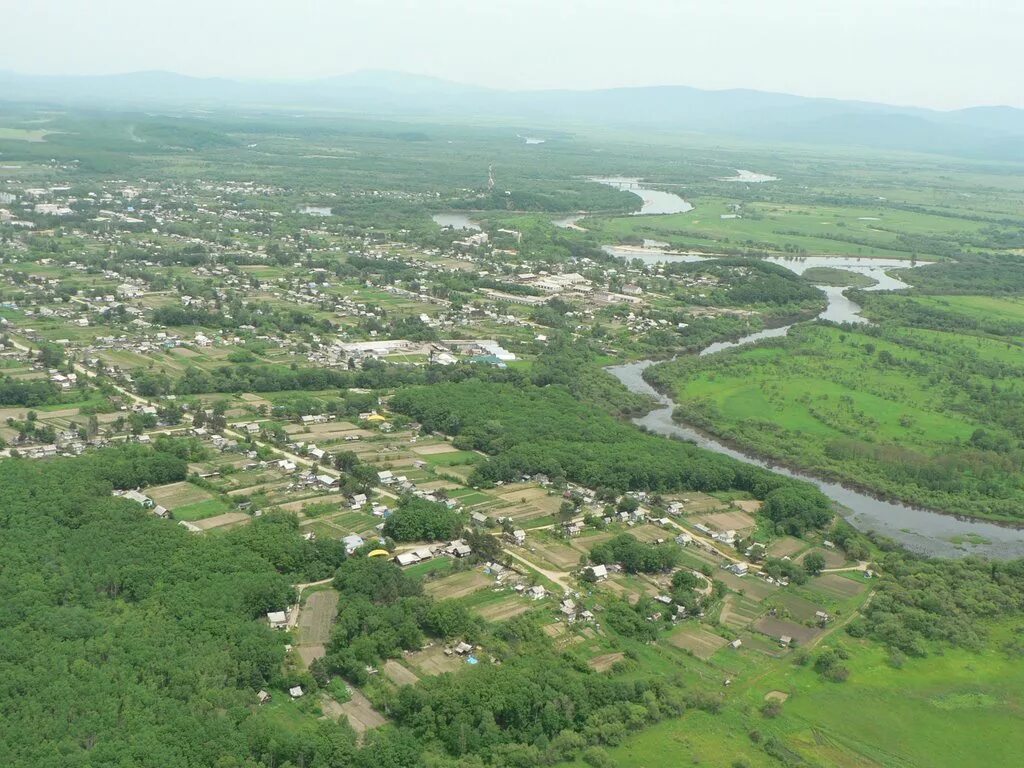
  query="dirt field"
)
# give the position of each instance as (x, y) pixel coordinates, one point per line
(727, 521)
(360, 713)
(776, 628)
(751, 506)
(779, 696)
(701, 643)
(314, 626)
(432, 661)
(433, 450)
(605, 662)
(228, 519)
(459, 585)
(398, 674)
(504, 609)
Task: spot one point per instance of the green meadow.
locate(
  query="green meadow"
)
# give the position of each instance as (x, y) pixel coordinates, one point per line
(922, 415)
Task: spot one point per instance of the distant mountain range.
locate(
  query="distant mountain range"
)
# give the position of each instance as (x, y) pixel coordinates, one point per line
(981, 132)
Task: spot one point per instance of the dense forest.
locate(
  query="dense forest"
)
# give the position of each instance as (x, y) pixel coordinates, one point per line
(126, 640)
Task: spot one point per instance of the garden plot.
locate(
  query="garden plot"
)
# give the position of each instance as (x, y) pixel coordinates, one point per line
(605, 662)
(787, 546)
(502, 610)
(750, 506)
(699, 642)
(735, 520)
(749, 585)
(696, 503)
(433, 450)
(649, 533)
(833, 559)
(776, 628)
(838, 586)
(398, 674)
(177, 495)
(457, 585)
(360, 713)
(314, 626)
(224, 521)
(434, 661)
(561, 556)
(739, 611)
(799, 608)
(300, 504)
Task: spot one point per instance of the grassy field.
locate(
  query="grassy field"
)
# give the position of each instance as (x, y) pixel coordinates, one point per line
(811, 228)
(900, 412)
(201, 510)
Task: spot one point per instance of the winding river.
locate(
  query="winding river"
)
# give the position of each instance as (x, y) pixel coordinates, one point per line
(654, 200)
(920, 530)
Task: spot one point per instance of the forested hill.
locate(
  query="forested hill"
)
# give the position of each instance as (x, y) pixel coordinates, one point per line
(988, 132)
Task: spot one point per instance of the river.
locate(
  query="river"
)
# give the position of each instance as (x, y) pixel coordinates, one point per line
(455, 221)
(654, 200)
(920, 530)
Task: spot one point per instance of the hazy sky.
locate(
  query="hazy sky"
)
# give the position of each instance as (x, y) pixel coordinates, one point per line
(939, 53)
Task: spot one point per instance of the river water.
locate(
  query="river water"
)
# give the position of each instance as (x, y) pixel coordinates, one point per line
(919, 530)
(455, 221)
(654, 200)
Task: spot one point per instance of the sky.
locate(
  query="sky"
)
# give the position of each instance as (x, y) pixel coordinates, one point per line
(935, 53)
